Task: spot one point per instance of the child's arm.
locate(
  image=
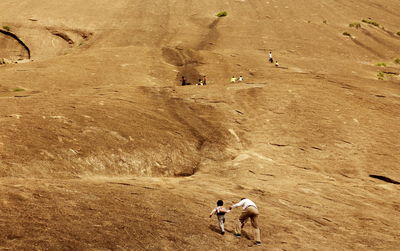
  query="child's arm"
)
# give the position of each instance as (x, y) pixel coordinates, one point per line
(213, 212)
(224, 210)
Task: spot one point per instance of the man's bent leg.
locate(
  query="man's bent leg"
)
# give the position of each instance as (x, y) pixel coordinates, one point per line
(238, 227)
(240, 223)
(257, 235)
(254, 222)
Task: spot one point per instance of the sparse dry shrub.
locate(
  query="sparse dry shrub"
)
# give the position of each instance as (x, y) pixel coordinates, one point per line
(346, 34)
(380, 75)
(370, 22)
(222, 14)
(355, 25)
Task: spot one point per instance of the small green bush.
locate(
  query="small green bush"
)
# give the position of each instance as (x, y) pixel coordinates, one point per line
(222, 14)
(381, 64)
(7, 28)
(346, 34)
(380, 75)
(355, 25)
(397, 60)
(370, 22)
(19, 89)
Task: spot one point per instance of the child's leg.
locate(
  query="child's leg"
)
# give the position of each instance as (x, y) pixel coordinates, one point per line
(221, 220)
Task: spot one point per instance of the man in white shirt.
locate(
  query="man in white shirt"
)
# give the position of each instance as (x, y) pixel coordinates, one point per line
(271, 60)
(250, 210)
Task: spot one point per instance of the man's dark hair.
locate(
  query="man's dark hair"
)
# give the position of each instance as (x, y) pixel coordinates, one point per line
(220, 203)
(242, 199)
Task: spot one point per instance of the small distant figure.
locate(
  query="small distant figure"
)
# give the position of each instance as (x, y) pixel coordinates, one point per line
(271, 60)
(183, 81)
(200, 82)
(240, 79)
(204, 80)
(276, 64)
(220, 211)
(233, 79)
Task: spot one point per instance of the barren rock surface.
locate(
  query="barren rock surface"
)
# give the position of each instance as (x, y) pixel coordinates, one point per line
(102, 149)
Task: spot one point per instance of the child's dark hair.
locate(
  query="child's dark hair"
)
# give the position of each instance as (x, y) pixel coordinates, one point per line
(220, 203)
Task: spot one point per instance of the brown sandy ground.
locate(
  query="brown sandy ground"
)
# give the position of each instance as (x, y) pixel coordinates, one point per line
(101, 149)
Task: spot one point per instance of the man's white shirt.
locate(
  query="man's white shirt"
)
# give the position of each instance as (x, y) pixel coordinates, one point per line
(245, 204)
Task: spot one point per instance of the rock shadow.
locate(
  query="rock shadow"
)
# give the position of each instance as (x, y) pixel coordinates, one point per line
(384, 178)
(20, 42)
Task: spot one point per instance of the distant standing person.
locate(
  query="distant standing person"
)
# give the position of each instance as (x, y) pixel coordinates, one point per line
(240, 79)
(220, 211)
(233, 79)
(250, 210)
(183, 81)
(276, 64)
(204, 80)
(271, 60)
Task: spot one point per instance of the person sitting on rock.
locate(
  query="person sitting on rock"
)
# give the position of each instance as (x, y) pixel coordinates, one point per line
(240, 79)
(276, 64)
(200, 82)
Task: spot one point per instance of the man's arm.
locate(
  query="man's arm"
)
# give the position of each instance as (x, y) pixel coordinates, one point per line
(224, 210)
(237, 205)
